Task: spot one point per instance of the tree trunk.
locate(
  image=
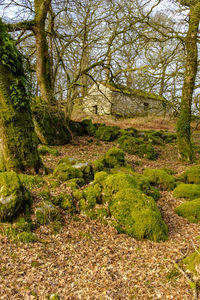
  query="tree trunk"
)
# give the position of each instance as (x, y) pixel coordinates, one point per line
(185, 151)
(43, 64)
(18, 141)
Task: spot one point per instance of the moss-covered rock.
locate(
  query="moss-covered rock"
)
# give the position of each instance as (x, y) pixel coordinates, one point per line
(89, 127)
(190, 210)
(113, 158)
(188, 191)
(70, 168)
(192, 263)
(13, 195)
(191, 176)
(50, 124)
(160, 178)
(43, 150)
(129, 144)
(66, 202)
(65, 172)
(107, 133)
(137, 215)
(133, 145)
(46, 212)
(19, 231)
(31, 181)
(147, 151)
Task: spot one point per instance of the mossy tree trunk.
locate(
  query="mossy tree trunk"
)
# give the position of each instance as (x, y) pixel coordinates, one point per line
(43, 64)
(18, 141)
(185, 151)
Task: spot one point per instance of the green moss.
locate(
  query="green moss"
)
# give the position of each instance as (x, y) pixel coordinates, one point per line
(65, 172)
(137, 215)
(160, 178)
(191, 176)
(50, 124)
(107, 133)
(69, 168)
(147, 151)
(75, 183)
(77, 128)
(188, 191)
(129, 143)
(54, 297)
(133, 145)
(31, 181)
(99, 177)
(26, 237)
(116, 182)
(43, 150)
(89, 127)
(190, 210)
(56, 227)
(46, 212)
(13, 195)
(19, 231)
(114, 157)
(98, 165)
(173, 275)
(192, 262)
(66, 202)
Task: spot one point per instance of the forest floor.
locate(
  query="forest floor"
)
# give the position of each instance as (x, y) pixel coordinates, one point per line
(88, 260)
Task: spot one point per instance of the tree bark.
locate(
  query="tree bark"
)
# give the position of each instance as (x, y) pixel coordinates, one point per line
(43, 64)
(18, 141)
(185, 151)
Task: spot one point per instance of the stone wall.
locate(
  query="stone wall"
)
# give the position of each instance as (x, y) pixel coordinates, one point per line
(102, 100)
(134, 105)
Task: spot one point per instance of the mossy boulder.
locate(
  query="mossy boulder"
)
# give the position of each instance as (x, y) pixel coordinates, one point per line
(113, 158)
(188, 191)
(19, 231)
(65, 172)
(46, 212)
(70, 168)
(13, 195)
(190, 210)
(137, 215)
(31, 181)
(129, 143)
(43, 150)
(192, 263)
(50, 124)
(89, 127)
(77, 128)
(191, 176)
(133, 145)
(107, 133)
(147, 151)
(160, 178)
(66, 202)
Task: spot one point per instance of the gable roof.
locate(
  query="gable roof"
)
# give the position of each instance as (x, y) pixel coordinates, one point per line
(129, 91)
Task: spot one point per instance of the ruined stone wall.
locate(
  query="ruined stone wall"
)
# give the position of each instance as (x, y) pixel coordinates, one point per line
(134, 105)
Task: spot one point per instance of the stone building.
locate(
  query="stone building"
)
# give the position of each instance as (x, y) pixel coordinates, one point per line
(105, 99)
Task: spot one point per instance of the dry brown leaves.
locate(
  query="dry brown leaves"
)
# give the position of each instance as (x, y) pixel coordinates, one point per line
(88, 260)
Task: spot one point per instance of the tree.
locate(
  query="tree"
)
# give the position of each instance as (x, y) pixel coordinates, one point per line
(43, 61)
(185, 151)
(18, 141)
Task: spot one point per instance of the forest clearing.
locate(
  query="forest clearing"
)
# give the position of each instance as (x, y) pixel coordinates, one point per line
(82, 258)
